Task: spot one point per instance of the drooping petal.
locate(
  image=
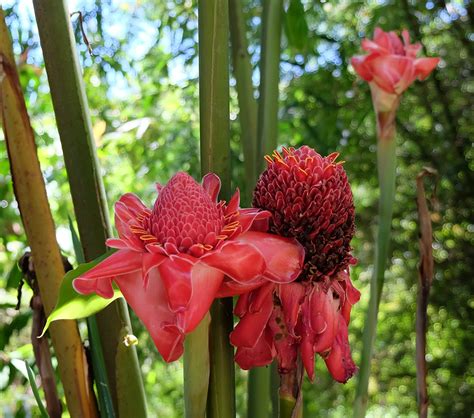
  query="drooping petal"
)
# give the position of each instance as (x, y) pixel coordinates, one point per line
(259, 355)
(252, 324)
(339, 362)
(291, 296)
(212, 185)
(175, 273)
(229, 287)
(362, 68)
(151, 306)
(254, 219)
(205, 283)
(284, 257)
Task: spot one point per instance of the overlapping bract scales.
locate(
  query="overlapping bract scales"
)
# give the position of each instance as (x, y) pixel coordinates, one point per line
(311, 200)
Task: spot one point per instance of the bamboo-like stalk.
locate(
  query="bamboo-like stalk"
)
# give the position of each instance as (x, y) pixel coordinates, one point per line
(36, 215)
(215, 157)
(75, 131)
(242, 69)
(386, 166)
(269, 79)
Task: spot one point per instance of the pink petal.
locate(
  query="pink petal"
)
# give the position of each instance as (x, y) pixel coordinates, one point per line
(116, 243)
(239, 260)
(212, 185)
(260, 355)
(151, 306)
(362, 68)
(205, 283)
(307, 355)
(424, 67)
(373, 47)
(149, 261)
(175, 273)
(234, 203)
(99, 278)
(284, 257)
(231, 288)
(252, 324)
(255, 219)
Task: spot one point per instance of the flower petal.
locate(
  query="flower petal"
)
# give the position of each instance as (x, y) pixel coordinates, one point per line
(99, 278)
(424, 66)
(259, 355)
(151, 307)
(239, 260)
(252, 324)
(212, 185)
(284, 257)
(175, 273)
(291, 296)
(205, 284)
(339, 362)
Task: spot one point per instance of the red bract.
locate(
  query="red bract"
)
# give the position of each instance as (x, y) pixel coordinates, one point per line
(391, 66)
(171, 260)
(310, 199)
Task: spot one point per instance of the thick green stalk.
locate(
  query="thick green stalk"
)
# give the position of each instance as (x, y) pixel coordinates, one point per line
(196, 370)
(215, 157)
(274, 386)
(75, 131)
(386, 165)
(242, 69)
(269, 79)
(259, 392)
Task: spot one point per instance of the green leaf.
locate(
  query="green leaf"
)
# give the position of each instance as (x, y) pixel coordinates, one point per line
(72, 305)
(296, 28)
(14, 277)
(34, 388)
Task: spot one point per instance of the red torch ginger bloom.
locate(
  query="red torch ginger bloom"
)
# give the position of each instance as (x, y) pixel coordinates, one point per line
(390, 68)
(310, 200)
(171, 259)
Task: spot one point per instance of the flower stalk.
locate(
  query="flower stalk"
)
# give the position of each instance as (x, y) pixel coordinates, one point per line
(30, 192)
(75, 131)
(213, 29)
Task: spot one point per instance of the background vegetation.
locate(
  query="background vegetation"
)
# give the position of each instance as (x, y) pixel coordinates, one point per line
(143, 93)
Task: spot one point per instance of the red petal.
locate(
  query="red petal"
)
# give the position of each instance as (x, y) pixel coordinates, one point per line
(240, 261)
(211, 183)
(175, 273)
(151, 306)
(256, 219)
(260, 355)
(339, 362)
(284, 257)
(361, 67)
(291, 296)
(205, 283)
(307, 355)
(234, 203)
(232, 288)
(116, 243)
(251, 325)
(151, 260)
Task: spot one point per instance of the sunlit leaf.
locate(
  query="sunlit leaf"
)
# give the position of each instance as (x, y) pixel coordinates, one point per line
(296, 28)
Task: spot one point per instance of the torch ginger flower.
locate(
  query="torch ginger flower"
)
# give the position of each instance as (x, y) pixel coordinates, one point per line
(310, 200)
(390, 68)
(171, 259)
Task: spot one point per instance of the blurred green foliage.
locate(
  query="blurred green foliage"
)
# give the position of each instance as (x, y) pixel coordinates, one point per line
(142, 89)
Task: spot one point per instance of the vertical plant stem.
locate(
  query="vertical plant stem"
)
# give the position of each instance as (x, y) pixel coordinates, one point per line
(30, 193)
(386, 165)
(215, 157)
(425, 278)
(274, 386)
(75, 131)
(242, 69)
(259, 392)
(291, 392)
(196, 370)
(269, 79)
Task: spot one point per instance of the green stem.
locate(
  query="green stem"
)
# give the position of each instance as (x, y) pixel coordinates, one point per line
(291, 393)
(386, 165)
(242, 69)
(274, 386)
(196, 370)
(259, 392)
(75, 131)
(269, 79)
(215, 157)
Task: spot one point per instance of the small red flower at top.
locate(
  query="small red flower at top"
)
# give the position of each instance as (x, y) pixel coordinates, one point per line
(390, 67)
(171, 259)
(310, 200)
